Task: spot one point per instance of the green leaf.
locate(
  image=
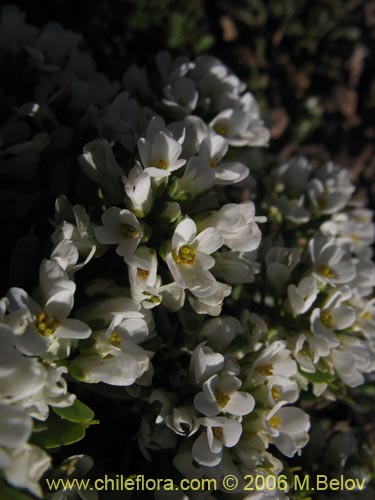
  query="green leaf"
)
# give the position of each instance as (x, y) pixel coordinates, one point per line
(9, 493)
(318, 377)
(78, 412)
(60, 432)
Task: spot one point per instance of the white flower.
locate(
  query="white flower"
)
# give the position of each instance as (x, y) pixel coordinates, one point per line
(210, 304)
(181, 95)
(280, 263)
(121, 228)
(220, 432)
(301, 297)
(354, 229)
(220, 394)
(75, 226)
(53, 393)
(159, 151)
(49, 328)
(193, 130)
(221, 331)
(330, 189)
(118, 360)
(204, 363)
(352, 360)
(100, 165)
(190, 259)
(237, 224)
(144, 283)
(273, 361)
(331, 262)
(239, 128)
(121, 120)
(288, 429)
(183, 421)
(212, 150)
(27, 466)
(235, 267)
(20, 377)
(195, 181)
(15, 429)
(138, 190)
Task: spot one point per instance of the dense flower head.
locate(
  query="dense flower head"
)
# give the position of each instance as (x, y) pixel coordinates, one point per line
(210, 317)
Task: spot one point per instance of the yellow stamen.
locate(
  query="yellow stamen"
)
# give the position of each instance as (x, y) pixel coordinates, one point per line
(143, 273)
(355, 238)
(214, 163)
(163, 164)
(217, 432)
(129, 231)
(367, 316)
(275, 422)
(221, 398)
(276, 393)
(221, 129)
(46, 325)
(115, 339)
(325, 271)
(265, 370)
(327, 319)
(186, 255)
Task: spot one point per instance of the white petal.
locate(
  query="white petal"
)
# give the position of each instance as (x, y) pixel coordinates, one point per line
(73, 329)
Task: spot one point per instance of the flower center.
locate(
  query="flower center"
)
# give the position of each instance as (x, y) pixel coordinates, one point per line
(46, 325)
(327, 319)
(221, 129)
(367, 316)
(217, 432)
(214, 163)
(115, 339)
(143, 273)
(163, 164)
(221, 398)
(129, 231)
(325, 271)
(265, 370)
(186, 255)
(275, 422)
(276, 393)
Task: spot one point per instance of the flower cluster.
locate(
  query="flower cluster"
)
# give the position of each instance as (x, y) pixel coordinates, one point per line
(212, 315)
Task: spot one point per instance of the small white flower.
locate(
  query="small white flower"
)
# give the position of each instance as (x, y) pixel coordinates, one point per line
(121, 228)
(239, 128)
(210, 304)
(20, 377)
(27, 466)
(273, 361)
(181, 95)
(190, 259)
(237, 224)
(331, 262)
(221, 331)
(330, 189)
(220, 432)
(195, 181)
(183, 421)
(159, 151)
(204, 363)
(138, 190)
(220, 394)
(211, 153)
(288, 429)
(49, 328)
(301, 297)
(235, 267)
